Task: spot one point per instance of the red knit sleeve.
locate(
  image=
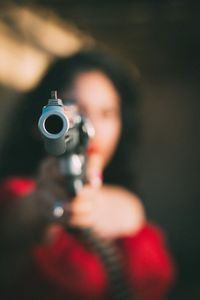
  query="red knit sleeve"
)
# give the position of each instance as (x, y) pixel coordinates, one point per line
(149, 266)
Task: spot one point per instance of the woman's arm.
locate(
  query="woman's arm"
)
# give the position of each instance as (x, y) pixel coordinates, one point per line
(118, 214)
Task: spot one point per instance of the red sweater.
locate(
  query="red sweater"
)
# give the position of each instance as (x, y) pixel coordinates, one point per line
(65, 269)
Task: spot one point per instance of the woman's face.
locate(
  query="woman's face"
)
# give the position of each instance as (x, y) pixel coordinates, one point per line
(99, 101)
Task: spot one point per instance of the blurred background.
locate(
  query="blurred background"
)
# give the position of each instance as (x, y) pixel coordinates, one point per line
(162, 38)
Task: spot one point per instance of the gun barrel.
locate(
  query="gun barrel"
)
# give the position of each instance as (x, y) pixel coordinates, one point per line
(54, 125)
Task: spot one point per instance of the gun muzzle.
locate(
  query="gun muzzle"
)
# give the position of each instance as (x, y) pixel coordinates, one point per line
(54, 125)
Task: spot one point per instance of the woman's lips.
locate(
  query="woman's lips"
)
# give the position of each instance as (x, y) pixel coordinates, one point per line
(92, 149)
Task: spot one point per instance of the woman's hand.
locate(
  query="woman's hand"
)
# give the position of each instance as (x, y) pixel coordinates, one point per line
(110, 211)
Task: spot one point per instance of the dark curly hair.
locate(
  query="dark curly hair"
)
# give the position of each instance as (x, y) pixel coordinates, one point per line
(23, 151)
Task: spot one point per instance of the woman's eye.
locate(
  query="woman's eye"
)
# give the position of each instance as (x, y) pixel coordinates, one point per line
(82, 111)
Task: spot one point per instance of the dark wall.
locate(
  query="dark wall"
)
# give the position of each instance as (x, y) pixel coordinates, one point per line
(169, 169)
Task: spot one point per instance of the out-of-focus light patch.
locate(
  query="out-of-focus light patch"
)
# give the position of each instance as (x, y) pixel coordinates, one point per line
(30, 40)
(47, 31)
(21, 66)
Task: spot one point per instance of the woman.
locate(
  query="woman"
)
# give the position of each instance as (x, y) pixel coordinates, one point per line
(65, 266)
